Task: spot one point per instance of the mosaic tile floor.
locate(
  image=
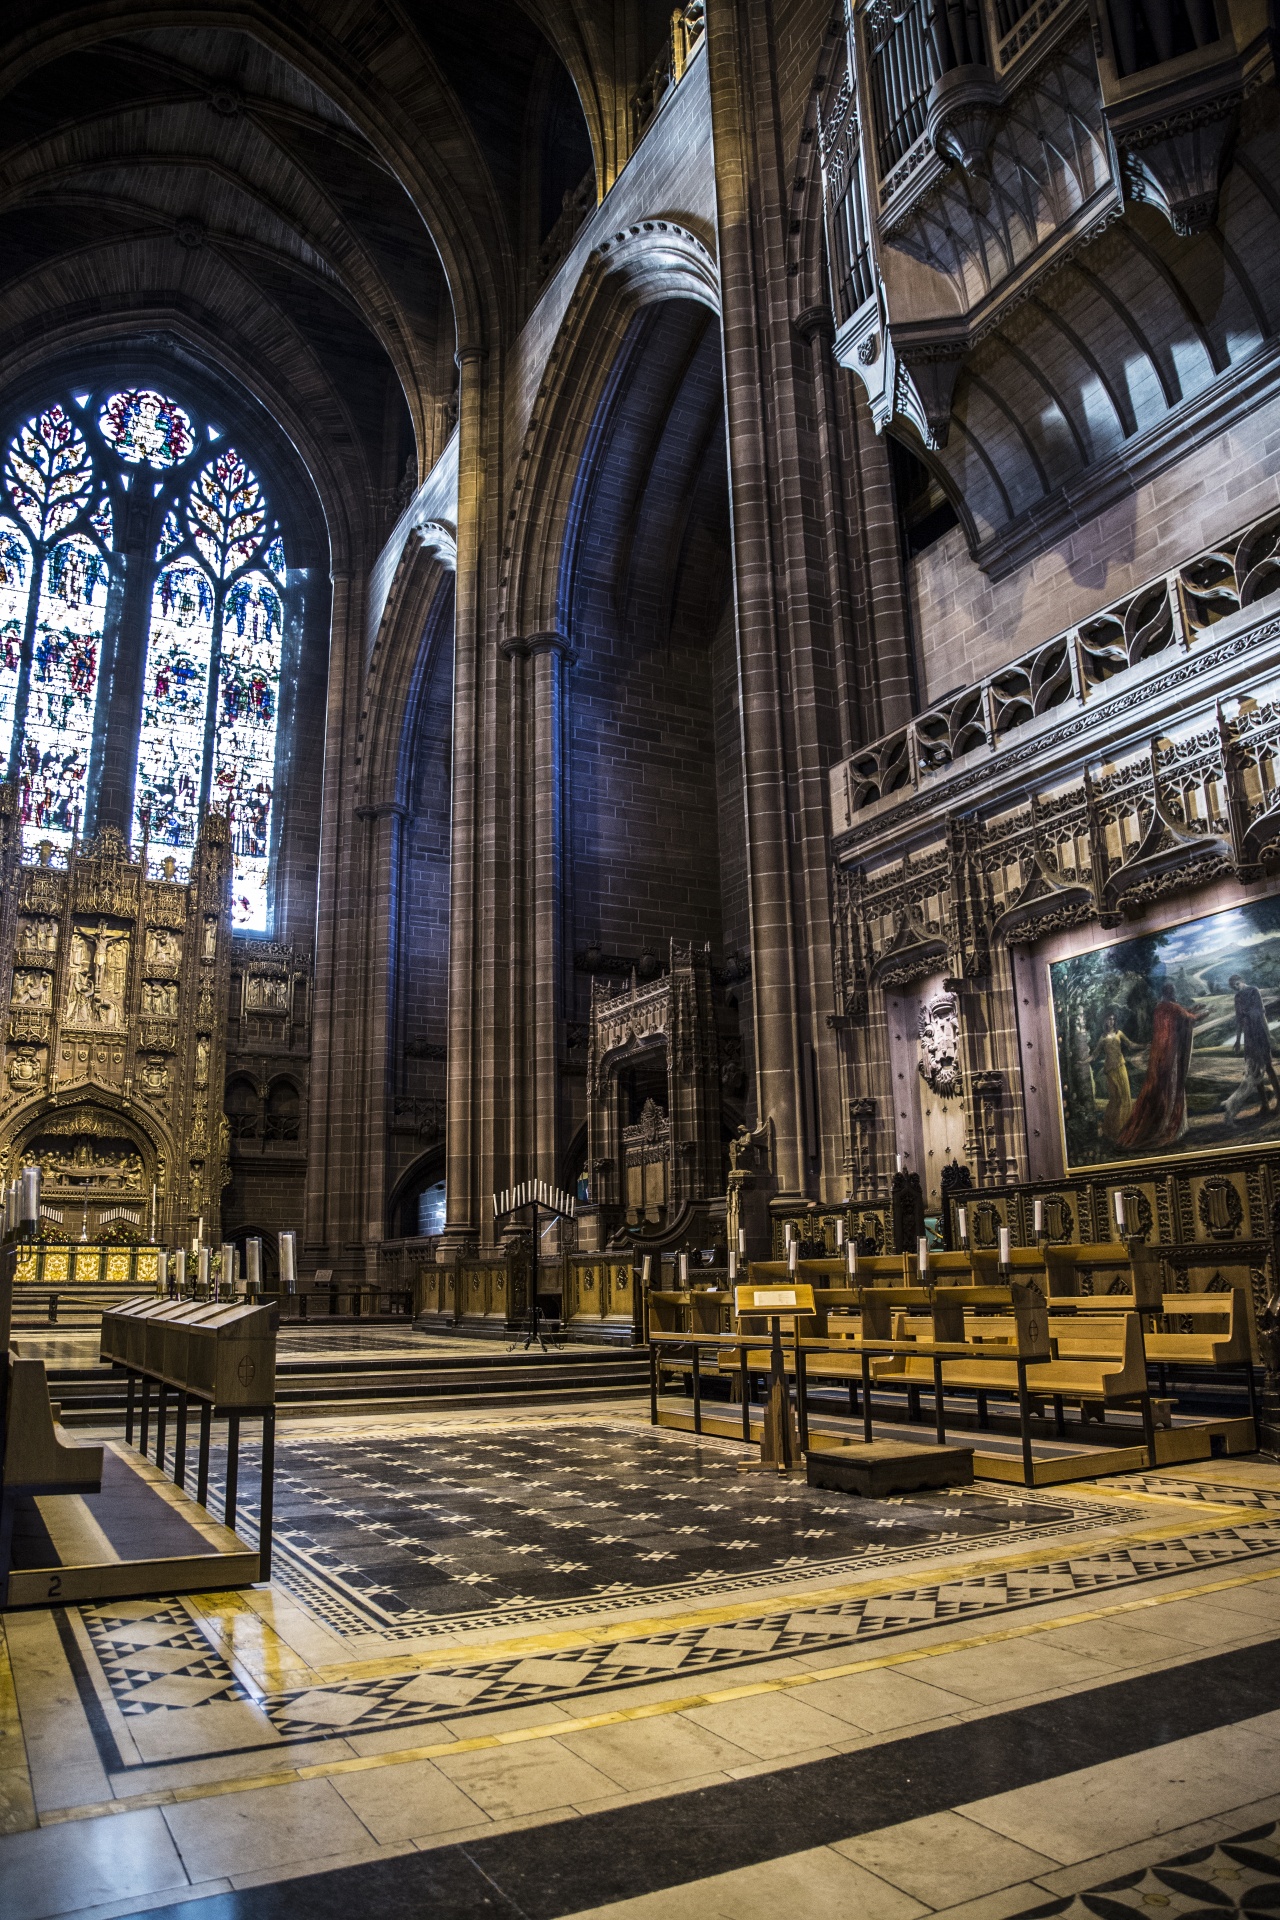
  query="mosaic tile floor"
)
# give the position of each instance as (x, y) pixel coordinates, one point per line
(1237, 1876)
(413, 1533)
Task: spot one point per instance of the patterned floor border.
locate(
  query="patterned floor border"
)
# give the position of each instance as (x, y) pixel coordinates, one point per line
(1236, 1876)
(154, 1656)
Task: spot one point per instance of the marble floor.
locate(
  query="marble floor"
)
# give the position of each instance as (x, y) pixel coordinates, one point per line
(549, 1663)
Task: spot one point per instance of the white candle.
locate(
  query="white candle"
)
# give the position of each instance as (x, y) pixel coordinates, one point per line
(1122, 1211)
(31, 1196)
(790, 1231)
(202, 1268)
(253, 1265)
(898, 1159)
(793, 1255)
(962, 1221)
(733, 1263)
(851, 1255)
(1004, 1246)
(684, 1269)
(647, 1268)
(839, 1234)
(922, 1255)
(742, 1243)
(228, 1267)
(162, 1272)
(180, 1270)
(288, 1260)
(1037, 1216)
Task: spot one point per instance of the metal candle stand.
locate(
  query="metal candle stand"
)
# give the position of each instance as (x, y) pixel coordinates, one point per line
(218, 1354)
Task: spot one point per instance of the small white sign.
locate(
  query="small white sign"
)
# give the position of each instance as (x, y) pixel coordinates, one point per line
(775, 1297)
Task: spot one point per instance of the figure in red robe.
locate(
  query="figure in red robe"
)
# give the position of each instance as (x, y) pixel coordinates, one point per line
(1159, 1114)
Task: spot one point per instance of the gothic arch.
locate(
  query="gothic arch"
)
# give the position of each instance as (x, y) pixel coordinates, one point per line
(398, 663)
(651, 261)
(380, 75)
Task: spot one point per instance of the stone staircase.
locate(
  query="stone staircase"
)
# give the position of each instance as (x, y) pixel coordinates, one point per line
(324, 1386)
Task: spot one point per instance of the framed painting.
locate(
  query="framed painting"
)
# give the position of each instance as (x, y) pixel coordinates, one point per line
(1166, 1044)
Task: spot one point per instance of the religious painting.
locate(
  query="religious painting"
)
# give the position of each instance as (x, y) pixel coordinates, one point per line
(1166, 1043)
(98, 977)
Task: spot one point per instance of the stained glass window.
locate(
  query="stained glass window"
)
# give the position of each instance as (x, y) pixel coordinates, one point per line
(15, 588)
(54, 760)
(213, 644)
(143, 426)
(174, 705)
(48, 473)
(171, 535)
(103, 522)
(245, 746)
(225, 513)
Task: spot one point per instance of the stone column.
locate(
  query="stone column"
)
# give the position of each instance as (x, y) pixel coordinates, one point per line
(547, 655)
(478, 933)
(812, 648)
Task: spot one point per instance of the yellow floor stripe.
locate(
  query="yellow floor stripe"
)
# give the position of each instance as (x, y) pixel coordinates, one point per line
(215, 1608)
(650, 1710)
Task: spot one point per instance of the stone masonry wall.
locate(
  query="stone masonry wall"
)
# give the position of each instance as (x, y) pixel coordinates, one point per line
(968, 625)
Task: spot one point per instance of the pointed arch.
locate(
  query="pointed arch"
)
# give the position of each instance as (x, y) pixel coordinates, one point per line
(649, 262)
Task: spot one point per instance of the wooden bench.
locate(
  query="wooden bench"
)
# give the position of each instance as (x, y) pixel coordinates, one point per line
(1212, 1347)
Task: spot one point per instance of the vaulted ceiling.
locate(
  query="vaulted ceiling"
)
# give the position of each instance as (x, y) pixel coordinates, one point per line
(319, 200)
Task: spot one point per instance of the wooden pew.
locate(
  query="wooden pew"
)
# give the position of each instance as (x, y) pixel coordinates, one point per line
(1222, 1347)
(38, 1458)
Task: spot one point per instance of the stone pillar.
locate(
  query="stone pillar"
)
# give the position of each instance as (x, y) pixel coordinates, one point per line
(478, 934)
(323, 1206)
(547, 654)
(812, 644)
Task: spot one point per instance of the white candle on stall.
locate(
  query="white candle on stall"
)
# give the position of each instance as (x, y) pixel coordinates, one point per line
(839, 1233)
(962, 1221)
(1004, 1246)
(684, 1269)
(647, 1269)
(162, 1272)
(1037, 1216)
(253, 1265)
(202, 1268)
(228, 1267)
(733, 1263)
(793, 1255)
(851, 1254)
(1122, 1210)
(288, 1261)
(922, 1255)
(180, 1270)
(742, 1243)
(898, 1160)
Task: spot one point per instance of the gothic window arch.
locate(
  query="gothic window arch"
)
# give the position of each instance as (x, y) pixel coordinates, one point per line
(202, 593)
